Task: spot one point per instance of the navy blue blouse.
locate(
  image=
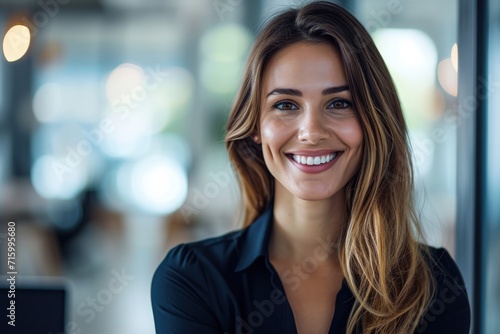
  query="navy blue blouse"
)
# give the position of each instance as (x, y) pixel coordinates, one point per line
(228, 285)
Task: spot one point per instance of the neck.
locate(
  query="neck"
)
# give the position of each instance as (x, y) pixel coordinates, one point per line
(303, 229)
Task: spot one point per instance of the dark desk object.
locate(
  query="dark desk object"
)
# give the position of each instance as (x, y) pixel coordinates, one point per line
(40, 306)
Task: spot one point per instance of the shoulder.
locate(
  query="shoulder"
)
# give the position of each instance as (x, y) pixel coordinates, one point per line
(446, 273)
(187, 285)
(191, 259)
(189, 268)
(449, 308)
(442, 264)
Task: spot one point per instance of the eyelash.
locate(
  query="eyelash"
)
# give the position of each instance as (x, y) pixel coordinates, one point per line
(347, 104)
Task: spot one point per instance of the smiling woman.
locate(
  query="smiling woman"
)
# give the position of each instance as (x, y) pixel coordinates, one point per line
(331, 242)
(309, 133)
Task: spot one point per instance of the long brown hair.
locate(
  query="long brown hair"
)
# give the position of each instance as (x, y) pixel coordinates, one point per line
(382, 260)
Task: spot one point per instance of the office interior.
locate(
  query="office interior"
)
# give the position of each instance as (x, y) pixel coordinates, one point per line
(112, 120)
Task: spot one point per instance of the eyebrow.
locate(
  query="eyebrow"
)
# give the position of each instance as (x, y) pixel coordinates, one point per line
(296, 92)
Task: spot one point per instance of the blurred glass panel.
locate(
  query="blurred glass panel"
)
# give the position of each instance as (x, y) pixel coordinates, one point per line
(416, 42)
(411, 56)
(491, 231)
(126, 126)
(2, 77)
(4, 137)
(106, 87)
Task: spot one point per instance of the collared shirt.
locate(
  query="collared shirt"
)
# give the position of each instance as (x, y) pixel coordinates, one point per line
(228, 285)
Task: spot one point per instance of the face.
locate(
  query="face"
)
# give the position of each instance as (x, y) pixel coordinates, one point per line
(310, 136)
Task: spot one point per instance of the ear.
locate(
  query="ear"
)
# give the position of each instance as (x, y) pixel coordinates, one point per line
(256, 137)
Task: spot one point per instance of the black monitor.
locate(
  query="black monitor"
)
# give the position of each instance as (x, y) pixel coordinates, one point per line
(40, 306)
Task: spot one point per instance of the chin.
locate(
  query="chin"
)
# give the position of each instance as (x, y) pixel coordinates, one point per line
(314, 195)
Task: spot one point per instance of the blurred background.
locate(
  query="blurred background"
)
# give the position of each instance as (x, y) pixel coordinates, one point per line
(112, 118)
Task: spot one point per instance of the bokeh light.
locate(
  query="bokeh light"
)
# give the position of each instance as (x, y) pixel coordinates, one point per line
(454, 56)
(129, 135)
(48, 102)
(159, 185)
(65, 214)
(125, 83)
(53, 179)
(170, 99)
(16, 42)
(411, 57)
(223, 51)
(448, 77)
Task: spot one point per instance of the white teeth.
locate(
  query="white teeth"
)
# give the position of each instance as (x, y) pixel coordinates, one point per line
(313, 160)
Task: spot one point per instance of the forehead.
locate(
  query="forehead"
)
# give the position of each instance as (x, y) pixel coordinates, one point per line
(304, 65)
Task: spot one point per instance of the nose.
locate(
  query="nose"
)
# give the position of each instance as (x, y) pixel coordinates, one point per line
(312, 127)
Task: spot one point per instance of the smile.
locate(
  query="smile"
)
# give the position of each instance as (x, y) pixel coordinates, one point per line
(314, 161)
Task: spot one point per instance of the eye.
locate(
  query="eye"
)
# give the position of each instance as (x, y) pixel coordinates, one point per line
(284, 105)
(340, 104)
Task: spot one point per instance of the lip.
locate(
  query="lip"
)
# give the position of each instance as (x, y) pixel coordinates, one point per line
(311, 153)
(314, 169)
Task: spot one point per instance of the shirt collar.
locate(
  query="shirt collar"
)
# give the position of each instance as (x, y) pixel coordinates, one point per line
(254, 241)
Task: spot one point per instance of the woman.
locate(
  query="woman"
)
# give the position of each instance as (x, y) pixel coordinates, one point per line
(330, 242)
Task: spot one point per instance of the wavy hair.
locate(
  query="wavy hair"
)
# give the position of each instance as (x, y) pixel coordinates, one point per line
(380, 254)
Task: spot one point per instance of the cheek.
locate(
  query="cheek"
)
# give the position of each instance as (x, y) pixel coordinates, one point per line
(274, 132)
(351, 134)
